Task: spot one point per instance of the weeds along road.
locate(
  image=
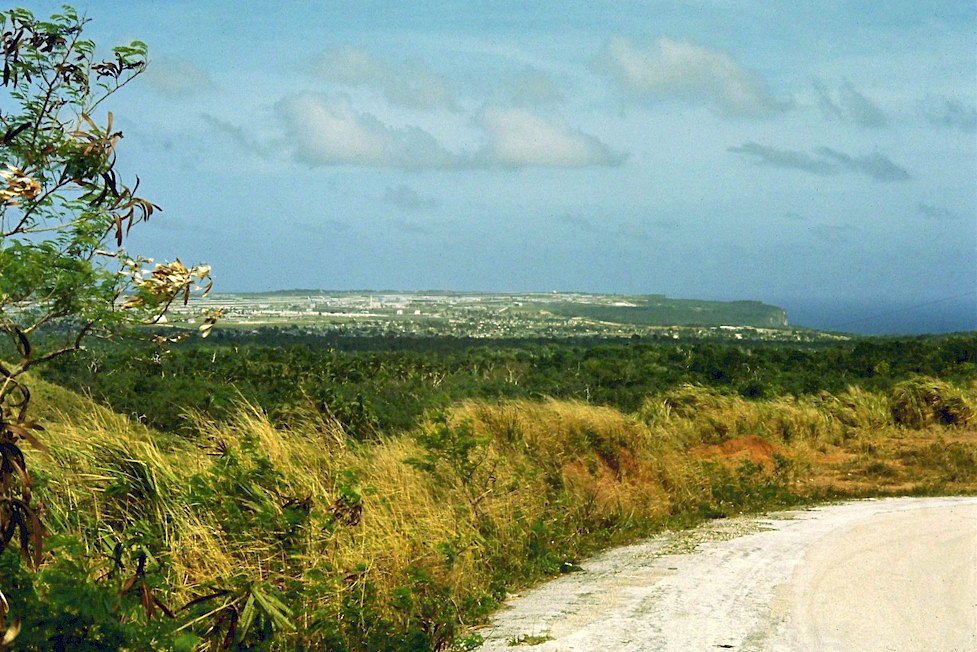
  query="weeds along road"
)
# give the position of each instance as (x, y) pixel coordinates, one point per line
(892, 574)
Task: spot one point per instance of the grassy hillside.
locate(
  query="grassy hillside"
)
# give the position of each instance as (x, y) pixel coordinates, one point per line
(304, 538)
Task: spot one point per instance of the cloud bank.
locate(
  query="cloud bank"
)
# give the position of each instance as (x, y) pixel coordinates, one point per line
(237, 135)
(825, 161)
(785, 158)
(325, 131)
(532, 88)
(680, 70)
(875, 166)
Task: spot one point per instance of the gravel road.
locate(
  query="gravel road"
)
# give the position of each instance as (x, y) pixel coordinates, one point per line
(892, 574)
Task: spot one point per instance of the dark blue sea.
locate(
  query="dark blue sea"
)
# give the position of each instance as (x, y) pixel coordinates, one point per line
(881, 317)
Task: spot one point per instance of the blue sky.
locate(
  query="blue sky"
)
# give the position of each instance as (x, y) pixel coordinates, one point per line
(818, 155)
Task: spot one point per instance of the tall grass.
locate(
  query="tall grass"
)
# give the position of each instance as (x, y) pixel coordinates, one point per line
(404, 542)
(922, 402)
(694, 415)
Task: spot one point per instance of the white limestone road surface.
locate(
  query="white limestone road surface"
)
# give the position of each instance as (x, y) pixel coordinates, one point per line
(893, 574)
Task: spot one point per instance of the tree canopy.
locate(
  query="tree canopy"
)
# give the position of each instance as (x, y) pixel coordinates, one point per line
(66, 208)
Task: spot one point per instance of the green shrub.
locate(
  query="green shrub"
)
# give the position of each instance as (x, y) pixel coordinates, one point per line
(67, 606)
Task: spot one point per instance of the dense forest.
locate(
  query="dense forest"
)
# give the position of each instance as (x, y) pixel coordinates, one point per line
(381, 384)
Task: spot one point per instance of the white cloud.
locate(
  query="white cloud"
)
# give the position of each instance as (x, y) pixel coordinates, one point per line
(829, 108)
(684, 71)
(329, 131)
(412, 85)
(177, 78)
(520, 138)
(785, 158)
(235, 134)
(861, 110)
(875, 166)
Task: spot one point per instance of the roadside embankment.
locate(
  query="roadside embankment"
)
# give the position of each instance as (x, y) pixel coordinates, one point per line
(410, 540)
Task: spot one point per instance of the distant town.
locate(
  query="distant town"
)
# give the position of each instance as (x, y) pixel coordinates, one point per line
(498, 316)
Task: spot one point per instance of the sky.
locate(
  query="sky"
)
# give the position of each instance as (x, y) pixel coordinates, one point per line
(817, 155)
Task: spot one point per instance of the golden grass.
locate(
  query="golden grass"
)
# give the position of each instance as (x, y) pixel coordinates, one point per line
(694, 415)
(921, 402)
(568, 467)
(609, 462)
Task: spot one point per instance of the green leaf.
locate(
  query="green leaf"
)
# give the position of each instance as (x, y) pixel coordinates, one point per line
(274, 608)
(247, 616)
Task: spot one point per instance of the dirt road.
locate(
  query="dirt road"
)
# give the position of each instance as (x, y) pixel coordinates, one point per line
(893, 574)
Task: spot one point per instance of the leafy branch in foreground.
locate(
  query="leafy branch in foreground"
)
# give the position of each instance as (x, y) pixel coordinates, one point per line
(63, 204)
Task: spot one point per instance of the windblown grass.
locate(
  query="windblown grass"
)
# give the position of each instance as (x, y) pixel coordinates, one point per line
(921, 402)
(696, 415)
(404, 542)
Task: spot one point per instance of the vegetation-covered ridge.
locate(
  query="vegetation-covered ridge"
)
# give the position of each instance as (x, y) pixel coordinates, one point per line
(301, 537)
(386, 384)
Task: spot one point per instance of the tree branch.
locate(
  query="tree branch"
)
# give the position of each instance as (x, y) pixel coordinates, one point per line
(75, 346)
